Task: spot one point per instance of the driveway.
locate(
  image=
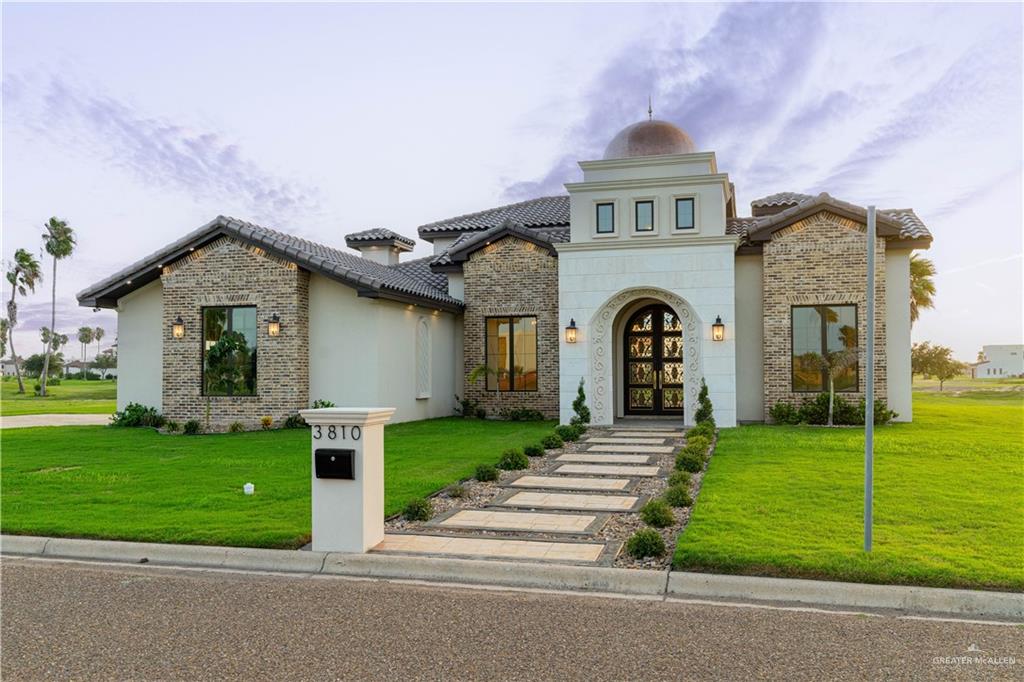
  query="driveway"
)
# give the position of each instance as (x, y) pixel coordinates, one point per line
(26, 420)
(66, 620)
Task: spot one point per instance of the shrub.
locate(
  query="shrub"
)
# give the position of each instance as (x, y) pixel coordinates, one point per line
(657, 513)
(294, 421)
(192, 427)
(521, 414)
(481, 413)
(172, 426)
(135, 414)
(784, 413)
(54, 381)
(698, 445)
(534, 450)
(704, 413)
(678, 496)
(883, 415)
(513, 460)
(487, 472)
(580, 429)
(814, 410)
(579, 407)
(687, 461)
(566, 432)
(236, 427)
(679, 477)
(552, 441)
(456, 490)
(266, 422)
(645, 542)
(419, 509)
(465, 406)
(706, 429)
(319, 403)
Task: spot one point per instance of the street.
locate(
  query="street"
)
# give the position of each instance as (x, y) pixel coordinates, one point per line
(63, 620)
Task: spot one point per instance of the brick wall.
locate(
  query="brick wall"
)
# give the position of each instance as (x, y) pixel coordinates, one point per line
(229, 273)
(818, 260)
(513, 277)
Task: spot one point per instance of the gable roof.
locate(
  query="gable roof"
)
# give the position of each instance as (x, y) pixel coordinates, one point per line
(409, 282)
(540, 212)
(470, 242)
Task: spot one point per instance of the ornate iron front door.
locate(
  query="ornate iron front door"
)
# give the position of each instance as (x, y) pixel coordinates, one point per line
(653, 362)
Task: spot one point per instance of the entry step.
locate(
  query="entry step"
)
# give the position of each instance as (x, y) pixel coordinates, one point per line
(601, 458)
(636, 449)
(491, 548)
(542, 499)
(529, 522)
(626, 441)
(570, 483)
(608, 470)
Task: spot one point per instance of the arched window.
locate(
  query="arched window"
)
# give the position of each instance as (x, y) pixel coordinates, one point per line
(422, 358)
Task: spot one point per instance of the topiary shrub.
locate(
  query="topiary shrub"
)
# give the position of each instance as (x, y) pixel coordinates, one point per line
(294, 421)
(579, 407)
(552, 441)
(679, 477)
(678, 496)
(192, 427)
(657, 513)
(705, 412)
(135, 414)
(566, 432)
(487, 472)
(513, 460)
(419, 509)
(236, 427)
(266, 422)
(644, 543)
(456, 490)
(534, 450)
(687, 461)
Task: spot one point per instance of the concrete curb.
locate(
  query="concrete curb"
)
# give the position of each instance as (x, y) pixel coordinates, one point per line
(975, 603)
(677, 584)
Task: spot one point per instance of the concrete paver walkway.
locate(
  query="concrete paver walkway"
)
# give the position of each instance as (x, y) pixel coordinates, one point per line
(23, 421)
(568, 483)
(652, 449)
(609, 470)
(491, 548)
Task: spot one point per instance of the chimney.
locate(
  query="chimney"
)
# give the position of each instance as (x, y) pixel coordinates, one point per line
(379, 245)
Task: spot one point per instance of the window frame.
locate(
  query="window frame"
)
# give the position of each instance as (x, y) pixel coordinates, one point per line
(202, 351)
(693, 214)
(823, 346)
(597, 219)
(511, 353)
(636, 216)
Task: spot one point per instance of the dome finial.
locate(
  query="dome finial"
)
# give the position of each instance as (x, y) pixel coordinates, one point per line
(650, 111)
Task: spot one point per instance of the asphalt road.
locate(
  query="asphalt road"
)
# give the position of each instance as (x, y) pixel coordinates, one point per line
(73, 620)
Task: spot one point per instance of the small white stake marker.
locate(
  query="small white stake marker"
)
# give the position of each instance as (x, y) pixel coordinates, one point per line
(249, 488)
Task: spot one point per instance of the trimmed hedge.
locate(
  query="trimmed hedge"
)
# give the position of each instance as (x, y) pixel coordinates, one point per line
(644, 543)
(552, 441)
(657, 513)
(687, 461)
(513, 460)
(678, 496)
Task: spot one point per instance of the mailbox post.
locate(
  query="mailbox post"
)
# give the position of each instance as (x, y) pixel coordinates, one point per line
(347, 476)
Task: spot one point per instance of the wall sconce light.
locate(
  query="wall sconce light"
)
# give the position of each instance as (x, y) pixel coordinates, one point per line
(274, 325)
(570, 331)
(718, 330)
(178, 328)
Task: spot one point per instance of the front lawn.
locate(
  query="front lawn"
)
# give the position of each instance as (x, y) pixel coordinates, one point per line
(949, 499)
(71, 396)
(136, 484)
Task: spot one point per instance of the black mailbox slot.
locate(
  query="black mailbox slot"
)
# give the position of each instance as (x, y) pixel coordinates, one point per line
(335, 463)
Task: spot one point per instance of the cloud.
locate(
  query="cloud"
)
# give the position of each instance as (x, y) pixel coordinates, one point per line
(159, 152)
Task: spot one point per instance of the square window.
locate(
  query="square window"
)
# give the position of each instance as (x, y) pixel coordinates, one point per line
(684, 214)
(645, 216)
(605, 218)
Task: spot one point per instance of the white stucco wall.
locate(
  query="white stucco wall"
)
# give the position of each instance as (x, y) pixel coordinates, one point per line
(363, 352)
(749, 339)
(897, 333)
(140, 347)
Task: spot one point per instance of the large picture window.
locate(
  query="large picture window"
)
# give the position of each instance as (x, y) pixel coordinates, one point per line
(229, 351)
(817, 330)
(512, 353)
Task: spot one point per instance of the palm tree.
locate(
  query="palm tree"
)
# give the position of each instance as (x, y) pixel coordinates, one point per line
(483, 371)
(84, 338)
(23, 275)
(59, 242)
(833, 363)
(97, 334)
(922, 286)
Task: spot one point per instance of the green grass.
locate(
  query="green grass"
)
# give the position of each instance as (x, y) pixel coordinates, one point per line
(965, 382)
(71, 396)
(136, 484)
(949, 499)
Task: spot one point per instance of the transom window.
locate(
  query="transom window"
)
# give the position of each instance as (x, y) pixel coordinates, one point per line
(229, 351)
(605, 218)
(684, 214)
(512, 353)
(817, 331)
(644, 216)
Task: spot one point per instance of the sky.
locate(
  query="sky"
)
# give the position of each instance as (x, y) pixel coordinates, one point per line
(137, 123)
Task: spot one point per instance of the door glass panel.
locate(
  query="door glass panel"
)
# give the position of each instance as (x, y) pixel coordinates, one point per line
(672, 347)
(643, 324)
(672, 398)
(671, 323)
(641, 398)
(641, 373)
(641, 347)
(672, 373)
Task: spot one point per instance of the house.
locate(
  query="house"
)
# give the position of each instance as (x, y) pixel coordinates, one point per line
(1000, 361)
(642, 281)
(8, 367)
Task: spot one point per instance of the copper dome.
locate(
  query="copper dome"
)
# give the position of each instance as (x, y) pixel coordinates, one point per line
(649, 138)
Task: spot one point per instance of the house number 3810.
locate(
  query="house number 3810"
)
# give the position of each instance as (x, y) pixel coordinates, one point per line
(334, 432)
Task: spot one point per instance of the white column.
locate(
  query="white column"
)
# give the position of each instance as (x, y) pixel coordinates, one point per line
(348, 502)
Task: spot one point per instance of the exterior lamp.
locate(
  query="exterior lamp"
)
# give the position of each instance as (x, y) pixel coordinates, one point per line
(178, 328)
(718, 330)
(570, 331)
(274, 325)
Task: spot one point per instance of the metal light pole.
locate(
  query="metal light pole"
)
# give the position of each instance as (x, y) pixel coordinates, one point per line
(869, 389)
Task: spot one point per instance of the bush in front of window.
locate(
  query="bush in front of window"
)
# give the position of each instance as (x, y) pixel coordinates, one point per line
(644, 543)
(419, 509)
(658, 514)
(566, 432)
(486, 472)
(513, 460)
(883, 415)
(135, 414)
(534, 450)
(678, 496)
(784, 413)
(814, 411)
(552, 441)
(192, 427)
(236, 427)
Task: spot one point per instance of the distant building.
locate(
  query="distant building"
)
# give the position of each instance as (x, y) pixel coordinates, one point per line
(1001, 361)
(8, 367)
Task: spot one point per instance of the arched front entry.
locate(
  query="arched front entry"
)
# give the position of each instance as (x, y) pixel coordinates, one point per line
(653, 362)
